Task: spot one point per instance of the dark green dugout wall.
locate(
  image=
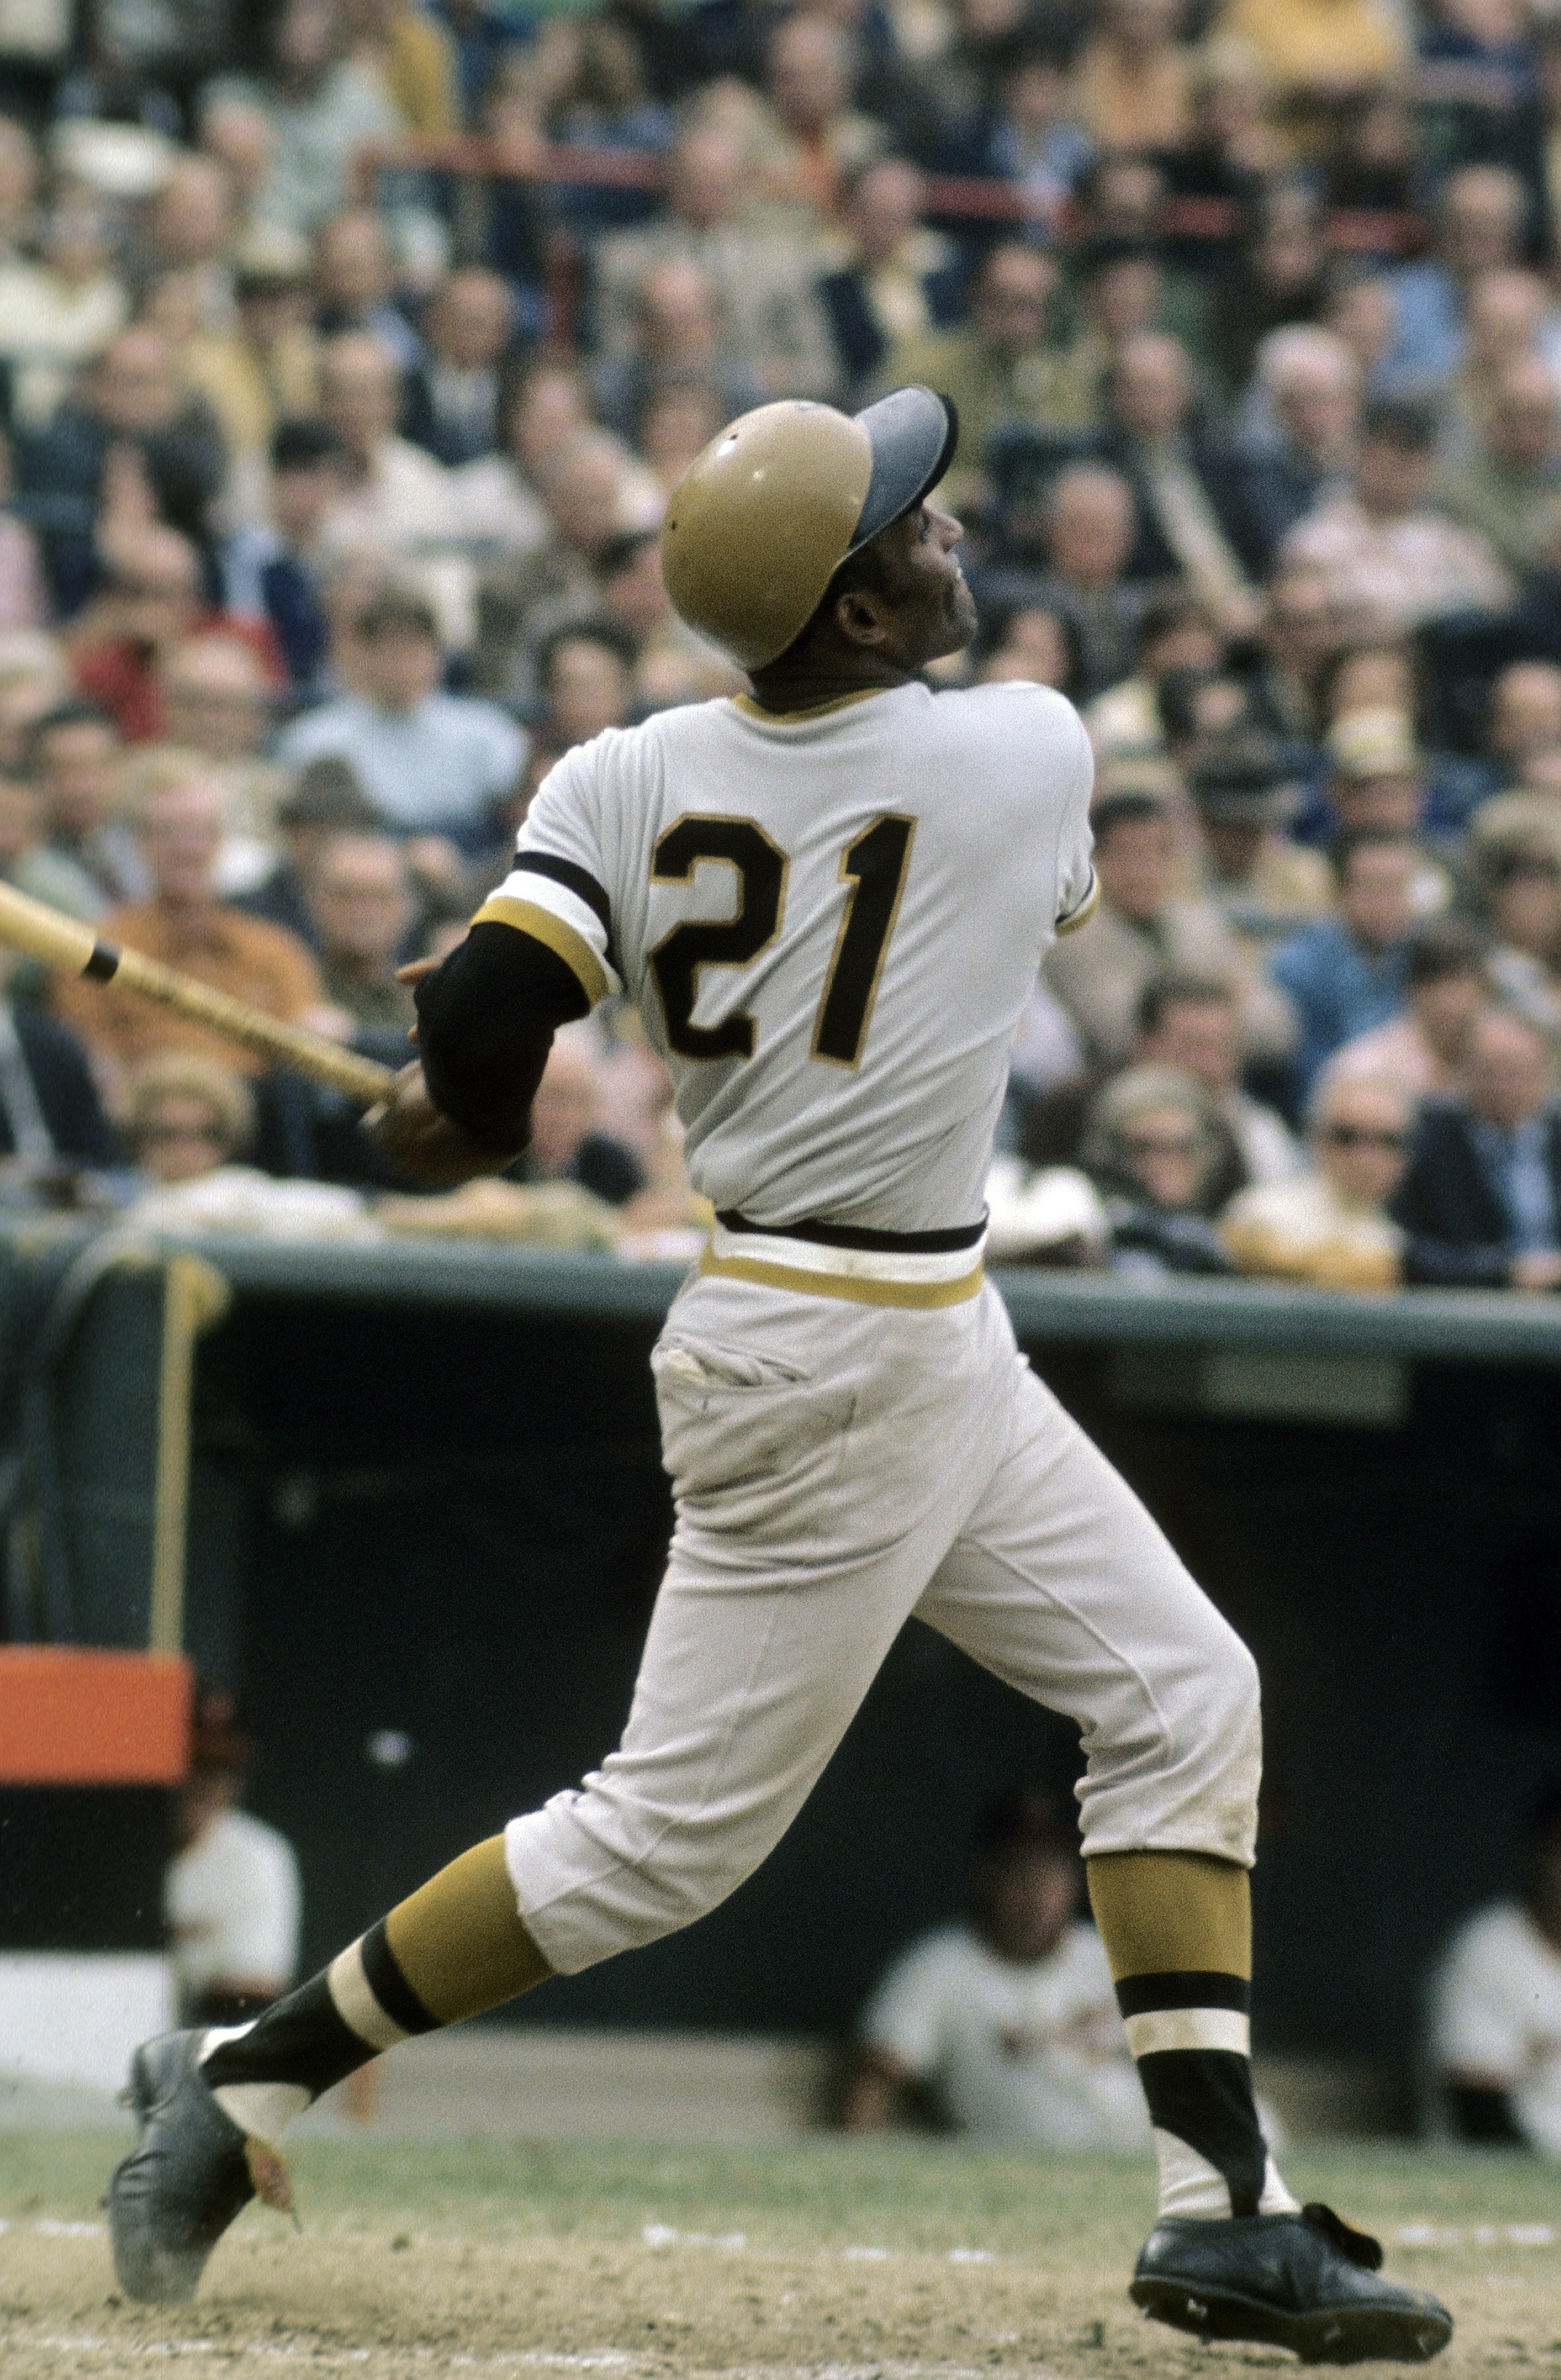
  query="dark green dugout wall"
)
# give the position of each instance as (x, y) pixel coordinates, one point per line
(427, 1519)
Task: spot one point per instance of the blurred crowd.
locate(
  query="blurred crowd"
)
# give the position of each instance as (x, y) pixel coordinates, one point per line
(349, 352)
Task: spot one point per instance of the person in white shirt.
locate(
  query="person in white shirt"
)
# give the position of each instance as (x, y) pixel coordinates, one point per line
(231, 1897)
(433, 763)
(1003, 2023)
(1495, 2006)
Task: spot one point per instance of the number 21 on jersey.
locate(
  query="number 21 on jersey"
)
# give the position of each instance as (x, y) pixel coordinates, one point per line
(874, 866)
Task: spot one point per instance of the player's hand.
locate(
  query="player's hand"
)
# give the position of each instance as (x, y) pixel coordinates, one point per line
(422, 1142)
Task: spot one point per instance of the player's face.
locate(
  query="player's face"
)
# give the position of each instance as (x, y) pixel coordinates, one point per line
(931, 611)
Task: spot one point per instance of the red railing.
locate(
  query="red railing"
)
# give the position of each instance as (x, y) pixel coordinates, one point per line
(950, 197)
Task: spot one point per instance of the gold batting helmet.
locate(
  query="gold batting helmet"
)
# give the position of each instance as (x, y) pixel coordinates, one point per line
(760, 522)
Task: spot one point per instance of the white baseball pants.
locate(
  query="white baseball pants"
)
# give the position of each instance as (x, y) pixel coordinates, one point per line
(837, 1468)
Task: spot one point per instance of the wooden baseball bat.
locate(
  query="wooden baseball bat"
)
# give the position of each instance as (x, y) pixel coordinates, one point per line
(65, 942)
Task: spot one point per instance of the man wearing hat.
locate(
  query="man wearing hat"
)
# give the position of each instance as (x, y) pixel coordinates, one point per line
(1263, 885)
(829, 897)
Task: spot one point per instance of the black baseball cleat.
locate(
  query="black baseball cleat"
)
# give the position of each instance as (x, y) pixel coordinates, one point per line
(1308, 2282)
(190, 2171)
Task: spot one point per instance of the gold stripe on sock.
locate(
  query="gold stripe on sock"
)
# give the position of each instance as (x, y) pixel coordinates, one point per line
(1171, 1913)
(458, 1939)
(355, 2002)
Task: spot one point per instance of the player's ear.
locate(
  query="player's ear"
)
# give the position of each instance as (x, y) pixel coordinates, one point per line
(862, 616)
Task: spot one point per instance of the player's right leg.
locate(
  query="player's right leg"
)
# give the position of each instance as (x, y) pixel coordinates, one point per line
(1061, 1584)
(824, 1456)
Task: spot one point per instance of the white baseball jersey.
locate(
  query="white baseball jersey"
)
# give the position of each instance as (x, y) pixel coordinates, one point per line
(830, 921)
(1034, 2055)
(1496, 2010)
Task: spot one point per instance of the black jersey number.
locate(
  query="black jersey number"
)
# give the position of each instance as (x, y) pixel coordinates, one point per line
(876, 868)
(678, 959)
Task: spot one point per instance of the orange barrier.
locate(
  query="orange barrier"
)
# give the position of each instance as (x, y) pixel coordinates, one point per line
(75, 1715)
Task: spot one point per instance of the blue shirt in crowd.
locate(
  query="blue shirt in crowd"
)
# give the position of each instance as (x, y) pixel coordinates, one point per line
(1338, 990)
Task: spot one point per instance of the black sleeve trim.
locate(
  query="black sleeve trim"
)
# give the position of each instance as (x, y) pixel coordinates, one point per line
(486, 1024)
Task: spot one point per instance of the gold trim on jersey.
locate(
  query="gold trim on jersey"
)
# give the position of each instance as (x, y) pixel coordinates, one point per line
(546, 926)
(833, 1284)
(751, 710)
(1086, 909)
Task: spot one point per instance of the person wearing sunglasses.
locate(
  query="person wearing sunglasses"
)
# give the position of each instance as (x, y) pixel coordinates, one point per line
(1155, 1147)
(1329, 1227)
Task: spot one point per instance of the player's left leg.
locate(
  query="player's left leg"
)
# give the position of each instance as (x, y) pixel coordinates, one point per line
(822, 1461)
(1061, 1584)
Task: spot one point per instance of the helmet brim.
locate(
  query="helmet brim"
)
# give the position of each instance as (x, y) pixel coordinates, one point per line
(913, 434)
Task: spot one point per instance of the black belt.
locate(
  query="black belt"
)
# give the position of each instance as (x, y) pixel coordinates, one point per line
(848, 1236)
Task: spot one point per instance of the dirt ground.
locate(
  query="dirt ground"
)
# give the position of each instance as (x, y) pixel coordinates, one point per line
(835, 2261)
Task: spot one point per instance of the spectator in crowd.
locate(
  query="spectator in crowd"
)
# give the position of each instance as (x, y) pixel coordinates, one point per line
(1514, 849)
(231, 1898)
(1006, 366)
(1504, 488)
(1319, 56)
(320, 108)
(186, 926)
(1192, 522)
(74, 757)
(1089, 526)
(1390, 558)
(1494, 2030)
(1189, 1024)
(57, 311)
(1481, 1199)
(1300, 449)
(1143, 928)
(1301, 635)
(1158, 1151)
(275, 571)
(1344, 974)
(1174, 635)
(185, 1116)
(774, 328)
(430, 762)
(586, 676)
(1525, 718)
(364, 911)
(591, 497)
(1480, 222)
(808, 138)
(565, 1145)
(1329, 1226)
(679, 345)
(355, 272)
(999, 2025)
(396, 503)
(1133, 82)
(1264, 884)
(326, 800)
(894, 281)
(1446, 988)
(130, 400)
(453, 393)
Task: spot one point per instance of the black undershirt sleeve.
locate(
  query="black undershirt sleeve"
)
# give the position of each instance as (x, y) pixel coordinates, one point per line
(485, 1024)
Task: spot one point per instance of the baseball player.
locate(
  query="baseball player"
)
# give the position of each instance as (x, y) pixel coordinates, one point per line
(829, 899)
